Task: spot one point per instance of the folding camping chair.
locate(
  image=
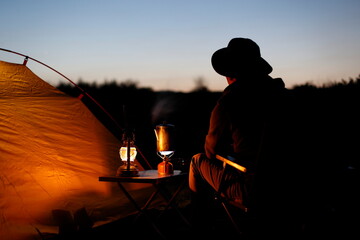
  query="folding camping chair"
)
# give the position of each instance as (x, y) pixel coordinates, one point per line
(262, 207)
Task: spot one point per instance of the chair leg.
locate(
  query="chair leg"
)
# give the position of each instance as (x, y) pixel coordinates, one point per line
(231, 218)
(223, 200)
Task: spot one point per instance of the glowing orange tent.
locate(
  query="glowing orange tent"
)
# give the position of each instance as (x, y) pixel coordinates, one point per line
(52, 151)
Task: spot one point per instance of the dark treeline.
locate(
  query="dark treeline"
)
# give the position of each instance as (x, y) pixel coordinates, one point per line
(331, 111)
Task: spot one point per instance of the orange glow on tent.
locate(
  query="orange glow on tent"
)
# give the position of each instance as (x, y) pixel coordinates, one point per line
(52, 151)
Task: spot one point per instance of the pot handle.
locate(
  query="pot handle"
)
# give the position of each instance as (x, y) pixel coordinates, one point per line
(157, 138)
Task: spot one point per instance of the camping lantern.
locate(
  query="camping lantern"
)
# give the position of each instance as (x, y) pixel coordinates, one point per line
(127, 154)
(165, 147)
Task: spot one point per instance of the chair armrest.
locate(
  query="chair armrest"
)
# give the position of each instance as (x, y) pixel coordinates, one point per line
(231, 161)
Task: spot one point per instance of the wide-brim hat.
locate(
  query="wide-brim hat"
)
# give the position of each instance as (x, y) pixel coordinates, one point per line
(241, 57)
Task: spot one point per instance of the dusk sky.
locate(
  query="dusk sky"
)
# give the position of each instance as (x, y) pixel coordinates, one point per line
(167, 44)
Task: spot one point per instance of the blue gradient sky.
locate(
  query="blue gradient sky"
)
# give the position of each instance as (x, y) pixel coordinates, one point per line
(167, 44)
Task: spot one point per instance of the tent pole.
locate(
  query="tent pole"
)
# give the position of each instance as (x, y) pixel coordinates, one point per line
(82, 90)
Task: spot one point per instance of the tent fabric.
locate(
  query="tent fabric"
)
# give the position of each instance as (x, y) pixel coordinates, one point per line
(52, 151)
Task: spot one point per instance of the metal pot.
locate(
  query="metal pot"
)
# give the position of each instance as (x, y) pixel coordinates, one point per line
(165, 137)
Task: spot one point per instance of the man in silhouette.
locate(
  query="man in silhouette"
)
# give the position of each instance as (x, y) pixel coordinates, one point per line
(249, 123)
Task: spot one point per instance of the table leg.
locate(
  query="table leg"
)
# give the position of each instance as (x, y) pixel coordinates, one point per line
(142, 210)
(165, 194)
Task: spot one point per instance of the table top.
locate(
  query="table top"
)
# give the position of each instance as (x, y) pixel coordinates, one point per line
(146, 176)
